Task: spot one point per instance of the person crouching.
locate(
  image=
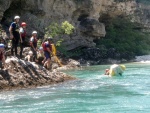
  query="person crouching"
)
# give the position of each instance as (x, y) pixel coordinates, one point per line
(40, 56)
(29, 57)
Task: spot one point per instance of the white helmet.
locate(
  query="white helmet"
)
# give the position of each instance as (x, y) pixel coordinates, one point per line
(30, 52)
(34, 32)
(17, 17)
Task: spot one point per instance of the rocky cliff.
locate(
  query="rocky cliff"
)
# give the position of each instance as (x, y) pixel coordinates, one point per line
(85, 15)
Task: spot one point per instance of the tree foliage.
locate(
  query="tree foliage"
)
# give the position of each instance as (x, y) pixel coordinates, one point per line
(125, 37)
(54, 30)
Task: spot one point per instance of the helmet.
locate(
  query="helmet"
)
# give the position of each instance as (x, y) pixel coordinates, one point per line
(41, 48)
(2, 46)
(123, 67)
(34, 32)
(23, 24)
(50, 38)
(30, 52)
(17, 17)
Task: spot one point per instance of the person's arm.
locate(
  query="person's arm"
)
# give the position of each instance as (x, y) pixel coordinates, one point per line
(3, 60)
(29, 58)
(48, 49)
(10, 31)
(31, 43)
(20, 32)
(20, 38)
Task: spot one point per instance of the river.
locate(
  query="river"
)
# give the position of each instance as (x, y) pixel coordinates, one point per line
(92, 92)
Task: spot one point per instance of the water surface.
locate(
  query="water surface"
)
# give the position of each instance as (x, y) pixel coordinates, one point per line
(92, 92)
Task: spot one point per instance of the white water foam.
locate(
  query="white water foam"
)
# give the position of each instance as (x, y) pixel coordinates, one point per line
(143, 59)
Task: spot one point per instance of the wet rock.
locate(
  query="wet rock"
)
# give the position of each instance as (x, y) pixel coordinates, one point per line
(23, 74)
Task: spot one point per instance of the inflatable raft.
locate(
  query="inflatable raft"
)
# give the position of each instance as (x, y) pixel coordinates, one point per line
(116, 70)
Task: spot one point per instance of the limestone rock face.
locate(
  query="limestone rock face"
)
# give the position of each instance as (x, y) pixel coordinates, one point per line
(92, 27)
(41, 13)
(83, 14)
(112, 8)
(4, 5)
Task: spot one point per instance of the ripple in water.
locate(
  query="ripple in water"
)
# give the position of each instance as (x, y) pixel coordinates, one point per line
(91, 93)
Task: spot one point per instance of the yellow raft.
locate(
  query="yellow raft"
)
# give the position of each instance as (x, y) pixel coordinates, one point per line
(116, 70)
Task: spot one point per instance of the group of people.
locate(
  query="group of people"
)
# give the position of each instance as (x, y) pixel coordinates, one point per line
(41, 55)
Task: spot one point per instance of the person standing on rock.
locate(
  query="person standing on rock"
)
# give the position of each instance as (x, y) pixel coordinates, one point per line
(33, 44)
(22, 32)
(14, 34)
(2, 56)
(47, 52)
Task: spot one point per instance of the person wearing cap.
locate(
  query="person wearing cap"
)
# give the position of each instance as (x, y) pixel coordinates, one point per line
(47, 51)
(22, 32)
(115, 70)
(33, 44)
(2, 56)
(14, 34)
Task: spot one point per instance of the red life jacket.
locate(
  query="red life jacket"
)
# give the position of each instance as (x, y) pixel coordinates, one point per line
(34, 41)
(45, 48)
(24, 33)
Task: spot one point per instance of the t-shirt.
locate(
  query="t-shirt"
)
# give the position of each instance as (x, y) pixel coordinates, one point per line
(34, 41)
(21, 30)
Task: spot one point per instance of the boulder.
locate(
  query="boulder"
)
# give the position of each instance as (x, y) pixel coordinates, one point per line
(22, 74)
(92, 27)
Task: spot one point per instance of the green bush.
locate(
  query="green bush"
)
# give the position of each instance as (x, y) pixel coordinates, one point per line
(54, 30)
(125, 37)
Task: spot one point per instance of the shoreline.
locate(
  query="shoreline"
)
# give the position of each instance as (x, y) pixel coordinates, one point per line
(21, 74)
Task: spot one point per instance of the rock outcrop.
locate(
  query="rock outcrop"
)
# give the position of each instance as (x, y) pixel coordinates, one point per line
(21, 74)
(83, 14)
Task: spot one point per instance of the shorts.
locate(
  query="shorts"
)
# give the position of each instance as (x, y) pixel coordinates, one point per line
(47, 55)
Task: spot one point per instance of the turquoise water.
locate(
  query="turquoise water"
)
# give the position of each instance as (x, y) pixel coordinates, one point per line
(92, 92)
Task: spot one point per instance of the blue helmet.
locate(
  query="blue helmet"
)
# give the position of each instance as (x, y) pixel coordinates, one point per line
(2, 46)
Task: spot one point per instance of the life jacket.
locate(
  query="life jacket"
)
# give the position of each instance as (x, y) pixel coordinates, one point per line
(44, 46)
(23, 35)
(1, 56)
(33, 41)
(15, 27)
